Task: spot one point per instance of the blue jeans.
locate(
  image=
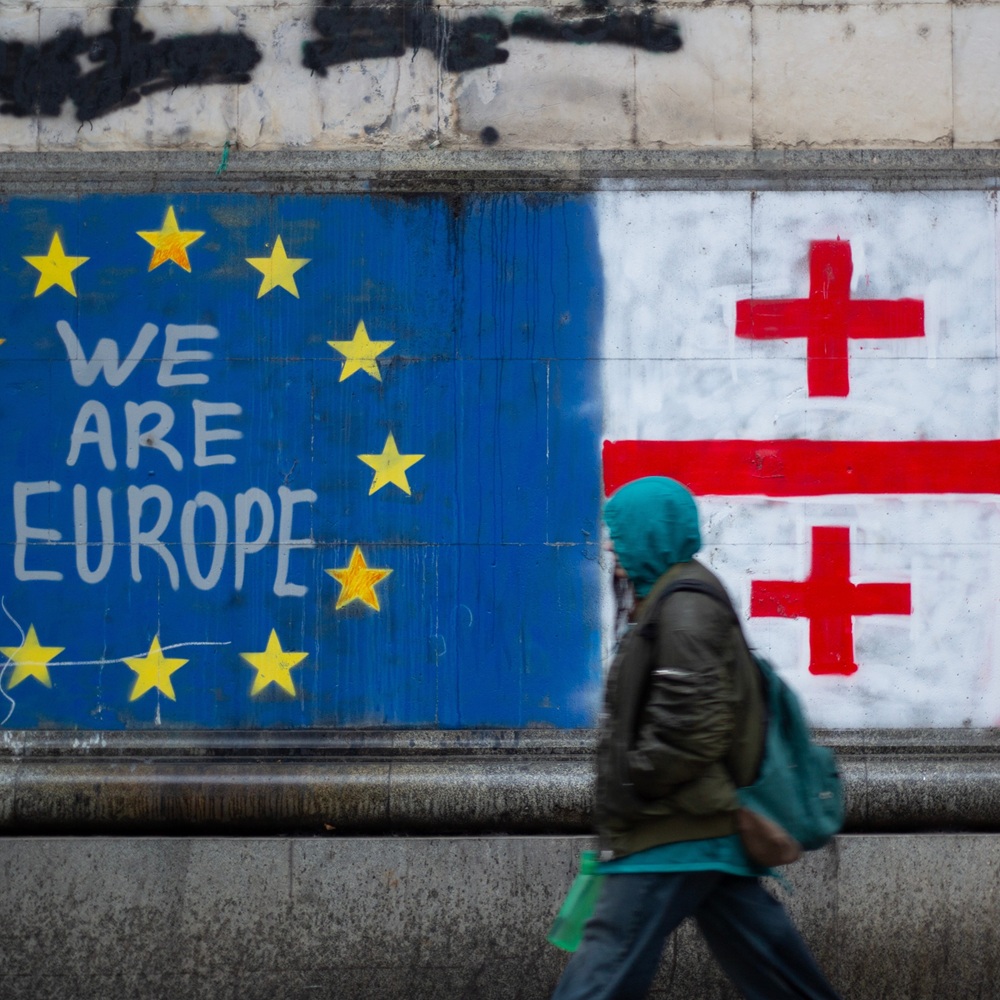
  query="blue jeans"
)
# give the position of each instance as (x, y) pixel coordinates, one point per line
(747, 930)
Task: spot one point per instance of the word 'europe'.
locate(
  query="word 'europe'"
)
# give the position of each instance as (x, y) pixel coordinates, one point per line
(254, 514)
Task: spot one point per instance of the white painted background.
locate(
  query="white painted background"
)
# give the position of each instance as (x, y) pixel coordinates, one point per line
(675, 265)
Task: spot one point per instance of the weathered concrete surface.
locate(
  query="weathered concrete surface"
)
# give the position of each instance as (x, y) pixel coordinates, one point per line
(748, 75)
(441, 171)
(977, 73)
(892, 917)
(841, 75)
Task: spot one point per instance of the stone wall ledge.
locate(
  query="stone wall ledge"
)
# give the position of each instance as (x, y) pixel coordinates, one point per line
(455, 170)
(278, 743)
(429, 782)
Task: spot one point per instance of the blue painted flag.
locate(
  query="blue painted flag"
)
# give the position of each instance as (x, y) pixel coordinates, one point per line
(299, 462)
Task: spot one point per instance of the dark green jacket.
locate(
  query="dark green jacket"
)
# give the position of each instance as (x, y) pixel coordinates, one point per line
(682, 724)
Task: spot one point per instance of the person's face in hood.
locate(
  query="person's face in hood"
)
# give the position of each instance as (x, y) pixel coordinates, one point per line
(617, 568)
(653, 524)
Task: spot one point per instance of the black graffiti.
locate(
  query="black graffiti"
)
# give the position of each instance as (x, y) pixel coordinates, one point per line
(351, 33)
(640, 31)
(130, 64)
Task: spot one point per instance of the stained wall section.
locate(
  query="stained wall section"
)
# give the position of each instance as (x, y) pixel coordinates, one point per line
(450, 917)
(461, 75)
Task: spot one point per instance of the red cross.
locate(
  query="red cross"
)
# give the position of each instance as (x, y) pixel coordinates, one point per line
(828, 318)
(830, 601)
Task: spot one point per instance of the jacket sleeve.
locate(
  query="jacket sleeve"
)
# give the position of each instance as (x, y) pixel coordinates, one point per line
(686, 724)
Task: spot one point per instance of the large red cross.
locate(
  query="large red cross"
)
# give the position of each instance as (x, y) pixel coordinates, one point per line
(828, 318)
(830, 601)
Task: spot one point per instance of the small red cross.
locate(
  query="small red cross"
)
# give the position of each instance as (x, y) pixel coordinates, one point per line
(829, 600)
(828, 318)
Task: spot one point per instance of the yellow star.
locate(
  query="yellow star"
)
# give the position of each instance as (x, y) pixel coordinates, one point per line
(357, 581)
(154, 670)
(56, 268)
(170, 242)
(360, 353)
(30, 659)
(390, 466)
(278, 269)
(273, 666)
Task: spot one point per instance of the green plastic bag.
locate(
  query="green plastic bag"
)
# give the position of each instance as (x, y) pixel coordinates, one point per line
(567, 928)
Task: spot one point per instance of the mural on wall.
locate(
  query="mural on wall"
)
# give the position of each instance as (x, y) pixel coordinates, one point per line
(337, 462)
(130, 62)
(264, 469)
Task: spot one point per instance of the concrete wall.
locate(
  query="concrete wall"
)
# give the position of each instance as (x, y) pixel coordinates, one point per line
(889, 918)
(509, 76)
(908, 916)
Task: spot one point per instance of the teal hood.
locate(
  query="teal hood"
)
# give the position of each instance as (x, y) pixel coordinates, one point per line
(653, 524)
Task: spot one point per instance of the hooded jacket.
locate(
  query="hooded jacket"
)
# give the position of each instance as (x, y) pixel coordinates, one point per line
(683, 717)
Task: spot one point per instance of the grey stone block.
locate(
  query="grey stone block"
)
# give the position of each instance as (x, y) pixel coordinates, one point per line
(917, 916)
(890, 917)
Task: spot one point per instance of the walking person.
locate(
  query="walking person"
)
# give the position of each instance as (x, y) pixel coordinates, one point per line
(683, 727)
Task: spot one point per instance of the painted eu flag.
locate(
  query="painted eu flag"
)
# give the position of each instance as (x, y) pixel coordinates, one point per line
(299, 461)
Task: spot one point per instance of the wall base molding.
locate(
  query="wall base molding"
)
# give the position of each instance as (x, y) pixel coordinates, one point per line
(469, 171)
(427, 781)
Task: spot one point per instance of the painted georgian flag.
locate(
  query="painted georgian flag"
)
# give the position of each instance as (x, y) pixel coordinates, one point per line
(821, 369)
